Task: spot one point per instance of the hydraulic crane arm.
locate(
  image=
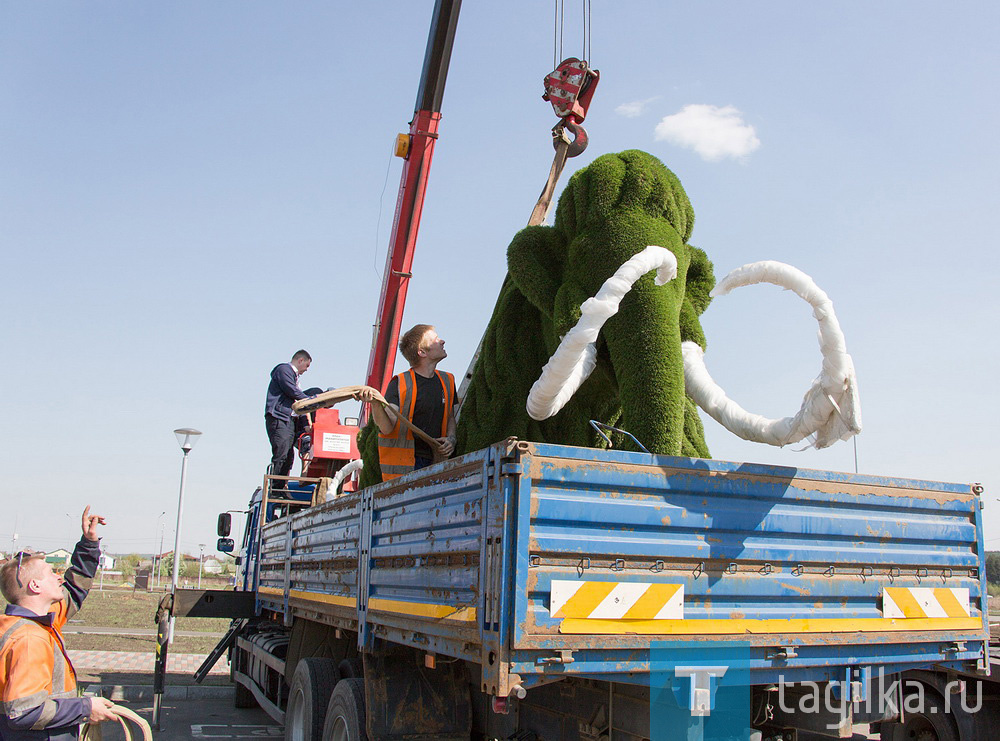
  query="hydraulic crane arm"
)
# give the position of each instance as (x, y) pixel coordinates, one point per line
(417, 148)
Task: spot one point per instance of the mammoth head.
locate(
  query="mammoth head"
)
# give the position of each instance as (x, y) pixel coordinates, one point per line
(631, 182)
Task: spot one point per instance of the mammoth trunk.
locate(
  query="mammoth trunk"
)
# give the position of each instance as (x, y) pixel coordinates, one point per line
(644, 343)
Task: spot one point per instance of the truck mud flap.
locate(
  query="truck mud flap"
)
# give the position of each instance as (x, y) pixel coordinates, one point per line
(405, 699)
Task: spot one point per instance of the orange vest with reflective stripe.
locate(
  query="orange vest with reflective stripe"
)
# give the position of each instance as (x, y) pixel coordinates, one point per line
(395, 450)
(34, 665)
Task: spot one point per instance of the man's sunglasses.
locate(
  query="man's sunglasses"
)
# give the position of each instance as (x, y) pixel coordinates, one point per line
(20, 559)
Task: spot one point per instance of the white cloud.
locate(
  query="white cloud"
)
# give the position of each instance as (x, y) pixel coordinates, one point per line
(635, 108)
(714, 133)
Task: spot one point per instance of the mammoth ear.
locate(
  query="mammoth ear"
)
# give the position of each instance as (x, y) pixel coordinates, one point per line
(700, 280)
(535, 260)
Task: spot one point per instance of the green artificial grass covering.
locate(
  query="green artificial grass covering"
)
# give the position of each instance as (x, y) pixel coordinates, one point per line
(371, 473)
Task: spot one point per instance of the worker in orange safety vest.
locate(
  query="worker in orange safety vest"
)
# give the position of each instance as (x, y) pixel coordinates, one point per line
(425, 396)
(38, 695)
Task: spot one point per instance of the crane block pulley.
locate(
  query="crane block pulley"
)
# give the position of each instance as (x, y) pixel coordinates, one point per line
(570, 88)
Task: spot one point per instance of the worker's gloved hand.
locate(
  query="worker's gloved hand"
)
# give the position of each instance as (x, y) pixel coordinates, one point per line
(100, 710)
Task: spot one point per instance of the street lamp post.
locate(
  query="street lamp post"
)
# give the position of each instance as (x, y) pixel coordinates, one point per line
(153, 570)
(201, 561)
(186, 437)
(159, 563)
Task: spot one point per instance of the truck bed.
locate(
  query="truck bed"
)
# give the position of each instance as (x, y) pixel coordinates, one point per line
(541, 561)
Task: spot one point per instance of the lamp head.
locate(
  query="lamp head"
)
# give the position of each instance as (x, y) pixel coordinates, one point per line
(187, 437)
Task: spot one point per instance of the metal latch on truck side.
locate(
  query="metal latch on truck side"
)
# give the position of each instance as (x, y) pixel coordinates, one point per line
(782, 654)
(565, 656)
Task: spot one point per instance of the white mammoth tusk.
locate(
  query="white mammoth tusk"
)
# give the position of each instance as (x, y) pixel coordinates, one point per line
(575, 358)
(831, 408)
(338, 478)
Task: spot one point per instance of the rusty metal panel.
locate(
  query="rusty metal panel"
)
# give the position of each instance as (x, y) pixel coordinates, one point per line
(778, 557)
(271, 581)
(425, 556)
(309, 561)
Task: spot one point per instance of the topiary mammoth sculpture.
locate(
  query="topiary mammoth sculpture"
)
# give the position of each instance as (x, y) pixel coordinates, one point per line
(631, 373)
(598, 319)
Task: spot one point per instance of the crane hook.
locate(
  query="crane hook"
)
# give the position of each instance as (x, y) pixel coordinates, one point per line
(577, 144)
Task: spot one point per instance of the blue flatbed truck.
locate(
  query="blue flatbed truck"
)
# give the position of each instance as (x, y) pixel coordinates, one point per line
(549, 592)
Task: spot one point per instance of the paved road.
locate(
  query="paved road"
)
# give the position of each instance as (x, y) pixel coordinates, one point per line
(188, 711)
(196, 719)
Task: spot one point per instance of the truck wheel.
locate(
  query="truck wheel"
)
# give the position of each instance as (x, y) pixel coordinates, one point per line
(933, 724)
(312, 685)
(345, 715)
(353, 667)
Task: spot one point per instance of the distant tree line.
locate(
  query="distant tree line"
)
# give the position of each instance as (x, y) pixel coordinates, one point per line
(129, 564)
(993, 567)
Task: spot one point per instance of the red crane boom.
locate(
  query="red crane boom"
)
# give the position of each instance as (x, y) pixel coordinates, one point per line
(417, 148)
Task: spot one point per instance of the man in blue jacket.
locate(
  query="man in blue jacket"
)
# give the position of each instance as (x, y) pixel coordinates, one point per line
(282, 392)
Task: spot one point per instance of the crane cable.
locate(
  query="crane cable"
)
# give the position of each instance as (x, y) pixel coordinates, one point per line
(559, 27)
(564, 146)
(560, 139)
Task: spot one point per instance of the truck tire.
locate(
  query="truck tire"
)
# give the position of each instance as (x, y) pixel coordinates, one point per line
(312, 685)
(345, 715)
(933, 724)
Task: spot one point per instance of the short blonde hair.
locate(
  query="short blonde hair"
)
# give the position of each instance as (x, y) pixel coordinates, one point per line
(410, 343)
(12, 592)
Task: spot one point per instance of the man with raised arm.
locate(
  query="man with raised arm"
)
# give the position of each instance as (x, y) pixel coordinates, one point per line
(38, 697)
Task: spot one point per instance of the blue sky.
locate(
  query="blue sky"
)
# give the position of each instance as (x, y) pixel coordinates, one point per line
(189, 192)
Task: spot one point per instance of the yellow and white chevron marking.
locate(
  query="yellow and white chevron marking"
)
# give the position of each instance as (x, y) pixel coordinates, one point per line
(611, 600)
(925, 602)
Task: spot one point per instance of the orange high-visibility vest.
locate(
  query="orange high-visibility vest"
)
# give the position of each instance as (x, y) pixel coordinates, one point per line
(34, 666)
(395, 450)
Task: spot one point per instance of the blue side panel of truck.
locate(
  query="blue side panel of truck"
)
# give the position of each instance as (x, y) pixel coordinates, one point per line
(540, 561)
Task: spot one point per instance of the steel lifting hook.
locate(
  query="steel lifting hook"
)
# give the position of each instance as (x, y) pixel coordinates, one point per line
(579, 141)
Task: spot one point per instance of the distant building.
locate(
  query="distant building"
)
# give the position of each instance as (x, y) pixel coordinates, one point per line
(58, 557)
